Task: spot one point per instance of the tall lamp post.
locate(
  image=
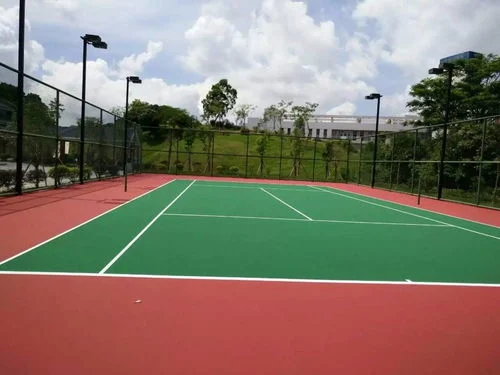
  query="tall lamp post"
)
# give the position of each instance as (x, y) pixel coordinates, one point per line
(96, 42)
(372, 97)
(448, 68)
(133, 79)
(20, 99)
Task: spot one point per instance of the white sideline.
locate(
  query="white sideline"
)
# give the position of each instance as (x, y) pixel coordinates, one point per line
(252, 279)
(82, 224)
(144, 230)
(286, 204)
(404, 212)
(307, 221)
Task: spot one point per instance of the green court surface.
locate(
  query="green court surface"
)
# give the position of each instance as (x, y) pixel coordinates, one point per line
(243, 230)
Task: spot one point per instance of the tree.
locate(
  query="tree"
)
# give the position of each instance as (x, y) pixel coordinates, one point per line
(189, 136)
(262, 144)
(242, 112)
(475, 93)
(303, 113)
(282, 109)
(297, 149)
(37, 120)
(328, 156)
(206, 136)
(219, 101)
(271, 114)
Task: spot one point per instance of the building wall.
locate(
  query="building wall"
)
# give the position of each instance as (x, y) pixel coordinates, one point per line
(338, 127)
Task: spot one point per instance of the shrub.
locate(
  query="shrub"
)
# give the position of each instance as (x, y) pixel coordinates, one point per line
(59, 173)
(179, 166)
(220, 169)
(245, 131)
(87, 173)
(34, 176)
(73, 174)
(7, 178)
(234, 170)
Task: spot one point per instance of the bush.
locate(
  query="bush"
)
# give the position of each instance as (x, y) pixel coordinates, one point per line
(34, 176)
(59, 173)
(245, 131)
(234, 170)
(73, 174)
(220, 169)
(87, 173)
(7, 178)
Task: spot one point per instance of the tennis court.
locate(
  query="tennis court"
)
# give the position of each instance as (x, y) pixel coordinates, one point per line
(221, 229)
(206, 276)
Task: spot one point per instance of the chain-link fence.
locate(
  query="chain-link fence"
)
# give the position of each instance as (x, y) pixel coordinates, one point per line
(406, 161)
(50, 142)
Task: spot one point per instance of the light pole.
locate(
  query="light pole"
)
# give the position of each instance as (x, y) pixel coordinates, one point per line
(446, 67)
(372, 97)
(20, 99)
(96, 42)
(133, 79)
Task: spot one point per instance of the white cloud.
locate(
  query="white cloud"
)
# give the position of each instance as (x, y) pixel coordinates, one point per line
(346, 109)
(417, 33)
(135, 63)
(34, 52)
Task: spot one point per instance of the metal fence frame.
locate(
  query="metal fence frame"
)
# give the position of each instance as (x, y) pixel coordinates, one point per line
(132, 149)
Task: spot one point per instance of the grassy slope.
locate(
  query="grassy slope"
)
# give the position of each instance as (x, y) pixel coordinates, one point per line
(230, 151)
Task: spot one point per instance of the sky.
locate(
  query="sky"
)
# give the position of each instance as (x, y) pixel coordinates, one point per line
(332, 52)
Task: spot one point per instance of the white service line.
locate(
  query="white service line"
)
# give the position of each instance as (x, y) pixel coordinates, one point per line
(144, 230)
(286, 204)
(251, 279)
(237, 217)
(309, 221)
(404, 212)
(82, 224)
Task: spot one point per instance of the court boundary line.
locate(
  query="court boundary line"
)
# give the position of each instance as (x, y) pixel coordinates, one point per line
(249, 279)
(139, 235)
(408, 213)
(82, 224)
(305, 183)
(407, 205)
(307, 190)
(307, 221)
(286, 204)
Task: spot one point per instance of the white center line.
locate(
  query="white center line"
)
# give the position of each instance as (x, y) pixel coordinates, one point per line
(307, 221)
(84, 223)
(286, 204)
(144, 230)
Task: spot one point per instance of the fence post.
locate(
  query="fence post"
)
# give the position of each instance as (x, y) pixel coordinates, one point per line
(478, 194)
(57, 141)
(101, 136)
(212, 156)
(314, 157)
(348, 159)
(20, 100)
(392, 159)
(281, 155)
(359, 164)
(414, 160)
(246, 160)
(114, 139)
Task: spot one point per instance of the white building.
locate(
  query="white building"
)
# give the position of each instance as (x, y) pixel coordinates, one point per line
(337, 127)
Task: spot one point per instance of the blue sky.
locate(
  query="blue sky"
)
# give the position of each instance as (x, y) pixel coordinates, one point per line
(324, 51)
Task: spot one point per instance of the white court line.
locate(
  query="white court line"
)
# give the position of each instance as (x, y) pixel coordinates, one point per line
(144, 230)
(82, 224)
(256, 187)
(237, 217)
(416, 208)
(404, 212)
(250, 279)
(309, 221)
(286, 204)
